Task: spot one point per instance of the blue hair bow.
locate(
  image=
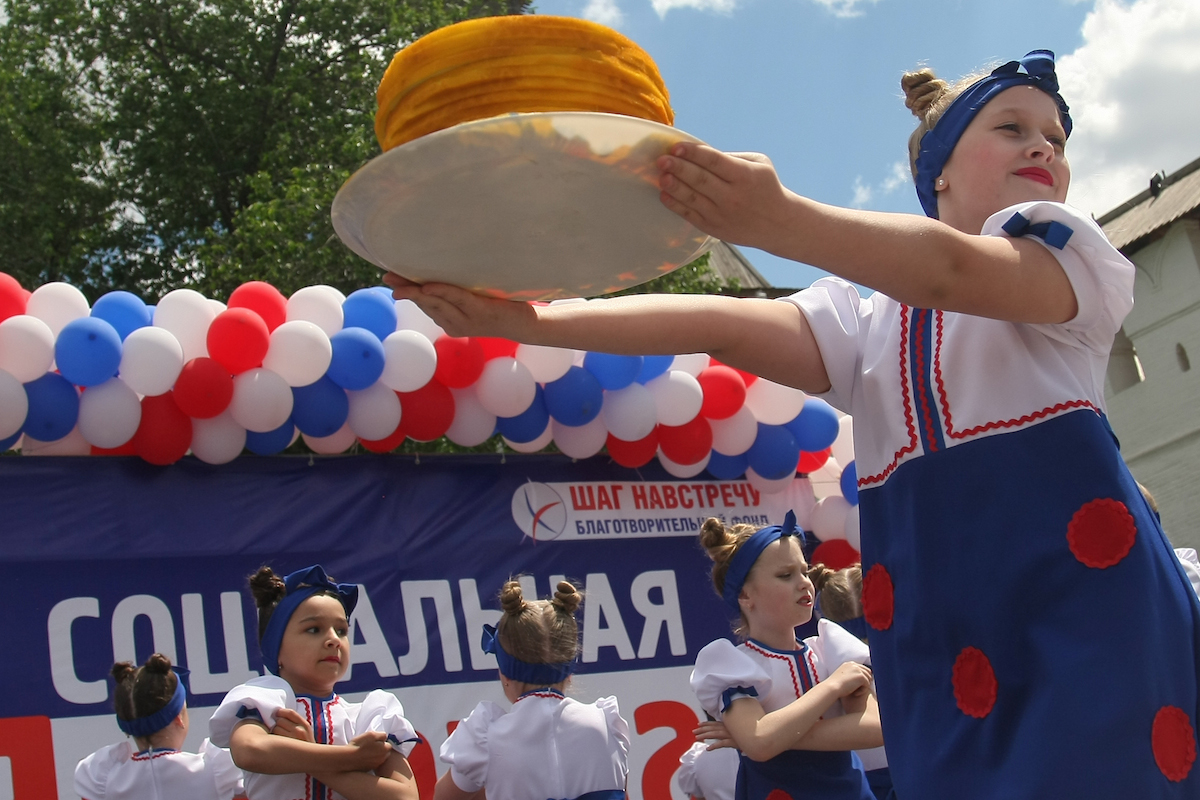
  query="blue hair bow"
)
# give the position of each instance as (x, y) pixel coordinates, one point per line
(748, 553)
(1035, 69)
(515, 669)
(299, 586)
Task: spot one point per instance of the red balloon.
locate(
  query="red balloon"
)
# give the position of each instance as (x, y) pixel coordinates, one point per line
(427, 413)
(632, 454)
(13, 297)
(688, 443)
(747, 377)
(811, 462)
(238, 338)
(126, 449)
(724, 392)
(459, 361)
(204, 388)
(389, 443)
(835, 554)
(263, 299)
(496, 348)
(165, 432)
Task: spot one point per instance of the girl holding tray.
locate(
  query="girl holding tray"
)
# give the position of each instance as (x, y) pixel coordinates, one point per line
(1032, 633)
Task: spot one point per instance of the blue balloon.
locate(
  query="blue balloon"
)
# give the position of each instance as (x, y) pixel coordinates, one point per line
(151, 309)
(613, 371)
(653, 366)
(575, 398)
(321, 408)
(124, 311)
(849, 482)
(815, 427)
(87, 351)
(357, 359)
(53, 407)
(6, 444)
(529, 424)
(271, 442)
(371, 310)
(774, 453)
(727, 468)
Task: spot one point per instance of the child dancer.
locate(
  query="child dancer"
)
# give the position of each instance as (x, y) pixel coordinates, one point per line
(151, 706)
(546, 745)
(777, 697)
(290, 733)
(1001, 530)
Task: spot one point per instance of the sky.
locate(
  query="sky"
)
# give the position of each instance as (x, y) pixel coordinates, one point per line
(815, 84)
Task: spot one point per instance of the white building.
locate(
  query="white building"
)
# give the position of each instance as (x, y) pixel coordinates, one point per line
(1153, 392)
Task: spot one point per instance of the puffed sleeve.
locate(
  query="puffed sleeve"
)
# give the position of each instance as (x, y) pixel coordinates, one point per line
(1101, 277)
(381, 711)
(466, 749)
(617, 726)
(1191, 566)
(687, 773)
(723, 673)
(91, 774)
(260, 699)
(834, 645)
(227, 778)
(839, 319)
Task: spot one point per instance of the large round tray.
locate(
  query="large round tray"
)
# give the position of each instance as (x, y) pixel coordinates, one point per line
(524, 206)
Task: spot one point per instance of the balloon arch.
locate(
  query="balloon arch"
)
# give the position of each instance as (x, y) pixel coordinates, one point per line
(196, 375)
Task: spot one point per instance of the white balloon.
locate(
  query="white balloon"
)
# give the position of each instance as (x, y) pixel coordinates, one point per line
(473, 424)
(677, 397)
(73, 444)
(734, 435)
(684, 470)
(772, 403)
(843, 445)
(409, 361)
(410, 317)
(14, 404)
(581, 441)
(109, 414)
(827, 479)
(829, 517)
(262, 401)
(630, 414)
(546, 364)
(56, 304)
(692, 363)
(217, 440)
(374, 412)
(26, 347)
(151, 360)
(534, 446)
(299, 352)
(505, 387)
(765, 485)
(338, 442)
(187, 315)
(320, 305)
(217, 305)
(852, 530)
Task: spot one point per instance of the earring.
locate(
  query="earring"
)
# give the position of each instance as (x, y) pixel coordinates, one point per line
(941, 183)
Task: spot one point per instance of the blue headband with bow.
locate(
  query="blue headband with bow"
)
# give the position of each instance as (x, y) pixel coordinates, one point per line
(152, 724)
(515, 669)
(301, 585)
(748, 553)
(1035, 69)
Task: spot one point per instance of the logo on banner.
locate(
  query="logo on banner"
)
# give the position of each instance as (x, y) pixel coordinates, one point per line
(539, 511)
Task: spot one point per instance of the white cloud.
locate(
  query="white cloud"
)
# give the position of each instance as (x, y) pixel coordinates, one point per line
(898, 177)
(661, 7)
(862, 194)
(1134, 91)
(845, 8)
(605, 12)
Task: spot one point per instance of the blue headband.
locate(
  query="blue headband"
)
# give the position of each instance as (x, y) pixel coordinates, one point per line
(301, 585)
(517, 670)
(148, 726)
(748, 553)
(1035, 69)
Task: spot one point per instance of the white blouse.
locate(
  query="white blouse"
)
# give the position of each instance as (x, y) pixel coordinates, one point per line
(118, 772)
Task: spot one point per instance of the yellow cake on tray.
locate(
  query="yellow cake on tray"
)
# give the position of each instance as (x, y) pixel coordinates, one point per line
(486, 67)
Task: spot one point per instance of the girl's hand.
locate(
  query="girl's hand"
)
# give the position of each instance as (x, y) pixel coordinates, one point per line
(461, 312)
(851, 680)
(372, 749)
(714, 730)
(290, 724)
(736, 197)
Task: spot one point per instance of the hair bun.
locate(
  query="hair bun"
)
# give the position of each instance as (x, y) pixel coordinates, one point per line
(158, 664)
(267, 587)
(567, 597)
(714, 537)
(819, 574)
(122, 671)
(921, 90)
(512, 599)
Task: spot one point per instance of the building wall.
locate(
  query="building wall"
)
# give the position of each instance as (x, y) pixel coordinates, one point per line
(1157, 418)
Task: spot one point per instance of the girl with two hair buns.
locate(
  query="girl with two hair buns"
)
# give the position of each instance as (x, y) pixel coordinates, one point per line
(1001, 529)
(151, 706)
(289, 730)
(546, 745)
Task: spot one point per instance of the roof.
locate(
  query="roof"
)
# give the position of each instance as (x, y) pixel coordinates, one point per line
(731, 264)
(1131, 223)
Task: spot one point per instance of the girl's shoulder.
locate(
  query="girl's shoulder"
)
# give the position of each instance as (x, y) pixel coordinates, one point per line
(91, 773)
(833, 646)
(724, 672)
(259, 699)
(382, 711)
